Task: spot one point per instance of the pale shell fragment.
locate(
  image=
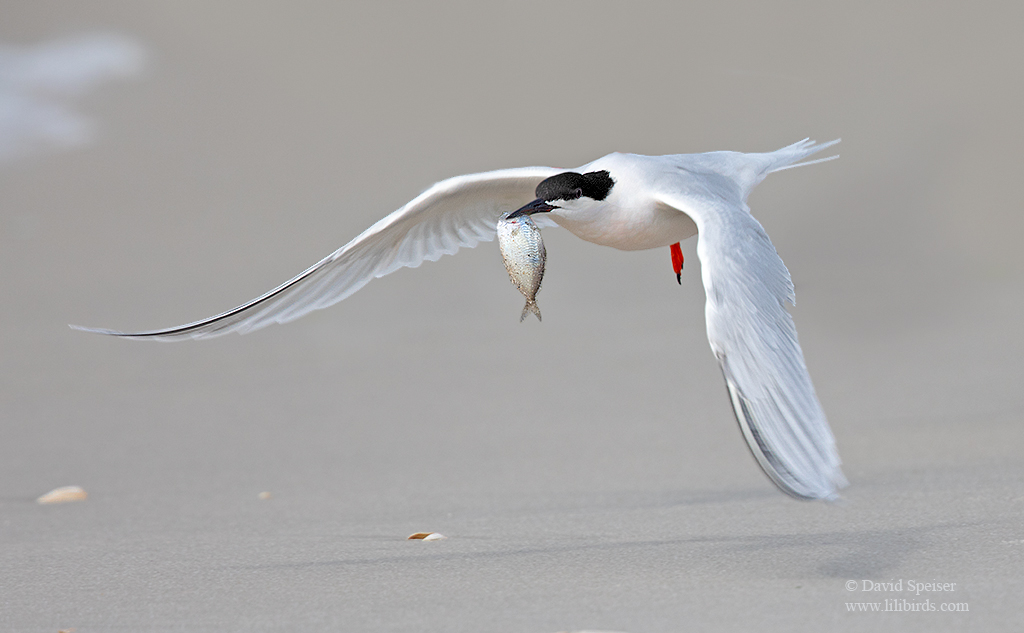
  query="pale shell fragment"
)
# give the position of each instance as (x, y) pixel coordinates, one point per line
(264, 495)
(426, 536)
(65, 493)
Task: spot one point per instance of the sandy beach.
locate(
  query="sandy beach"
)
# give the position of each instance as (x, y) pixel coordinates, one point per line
(587, 471)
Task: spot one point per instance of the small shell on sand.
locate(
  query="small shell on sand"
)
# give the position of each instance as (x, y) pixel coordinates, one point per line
(426, 536)
(264, 495)
(60, 495)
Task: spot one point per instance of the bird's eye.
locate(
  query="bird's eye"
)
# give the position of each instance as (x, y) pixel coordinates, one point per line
(578, 193)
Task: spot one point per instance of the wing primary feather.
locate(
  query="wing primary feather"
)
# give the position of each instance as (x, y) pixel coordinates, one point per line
(763, 454)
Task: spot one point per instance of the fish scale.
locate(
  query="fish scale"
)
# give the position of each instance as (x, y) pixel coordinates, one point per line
(523, 252)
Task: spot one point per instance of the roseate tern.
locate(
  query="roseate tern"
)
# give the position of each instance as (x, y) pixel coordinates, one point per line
(629, 202)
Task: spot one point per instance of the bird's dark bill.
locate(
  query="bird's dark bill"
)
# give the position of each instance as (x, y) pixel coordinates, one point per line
(537, 206)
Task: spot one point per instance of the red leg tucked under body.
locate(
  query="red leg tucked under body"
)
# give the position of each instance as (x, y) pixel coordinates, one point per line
(677, 262)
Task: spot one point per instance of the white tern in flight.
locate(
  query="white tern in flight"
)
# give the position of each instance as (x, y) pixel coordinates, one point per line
(629, 202)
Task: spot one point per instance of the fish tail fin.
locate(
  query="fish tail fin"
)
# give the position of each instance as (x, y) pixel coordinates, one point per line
(531, 306)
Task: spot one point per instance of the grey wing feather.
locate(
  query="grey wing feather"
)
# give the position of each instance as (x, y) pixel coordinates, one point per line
(452, 214)
(755, 341)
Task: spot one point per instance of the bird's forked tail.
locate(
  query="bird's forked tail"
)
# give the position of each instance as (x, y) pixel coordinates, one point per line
(750, 169)
(787, 157)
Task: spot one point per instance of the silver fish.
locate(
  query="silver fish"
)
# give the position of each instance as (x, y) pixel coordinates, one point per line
(524, 254)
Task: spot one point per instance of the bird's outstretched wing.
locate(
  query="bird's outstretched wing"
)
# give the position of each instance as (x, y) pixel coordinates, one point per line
(755, 341)
(454, 213)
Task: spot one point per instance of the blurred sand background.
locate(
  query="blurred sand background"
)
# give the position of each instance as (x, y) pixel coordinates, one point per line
(587, 471)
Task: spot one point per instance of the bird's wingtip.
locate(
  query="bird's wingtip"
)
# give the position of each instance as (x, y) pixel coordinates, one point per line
(96, 330)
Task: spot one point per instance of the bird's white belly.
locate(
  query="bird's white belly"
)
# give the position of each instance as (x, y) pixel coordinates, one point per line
(628, 230)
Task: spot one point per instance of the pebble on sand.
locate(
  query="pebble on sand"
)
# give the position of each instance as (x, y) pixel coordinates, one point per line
(65, 493)
(426, 536)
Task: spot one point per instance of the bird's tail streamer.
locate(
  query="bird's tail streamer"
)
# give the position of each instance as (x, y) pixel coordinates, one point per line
(787, 157)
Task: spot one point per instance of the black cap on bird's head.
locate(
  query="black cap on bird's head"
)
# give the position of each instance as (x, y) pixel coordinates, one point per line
(568, 186)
